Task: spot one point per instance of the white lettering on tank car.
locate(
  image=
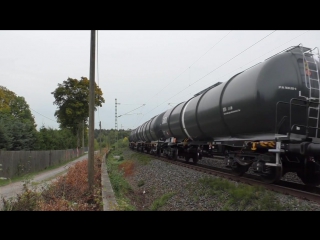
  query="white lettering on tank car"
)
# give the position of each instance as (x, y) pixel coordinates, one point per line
(164, 120)
(288, 88)
(234, 111)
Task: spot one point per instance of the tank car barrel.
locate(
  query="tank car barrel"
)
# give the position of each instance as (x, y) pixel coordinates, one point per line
(267, 117)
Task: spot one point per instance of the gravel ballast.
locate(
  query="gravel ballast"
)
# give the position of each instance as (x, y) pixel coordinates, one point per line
(161, 186)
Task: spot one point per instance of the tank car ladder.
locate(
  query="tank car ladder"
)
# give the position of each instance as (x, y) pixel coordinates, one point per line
(314, 87)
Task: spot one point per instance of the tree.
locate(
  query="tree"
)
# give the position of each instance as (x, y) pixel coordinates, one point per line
(5, 134)
(16, 134)
(17, 125)
(6, 98)
(15, 105)
(21, 111)
(108, 137)
(53, 139)
(72, 99)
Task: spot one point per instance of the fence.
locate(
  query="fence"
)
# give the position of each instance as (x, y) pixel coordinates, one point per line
(19, 163)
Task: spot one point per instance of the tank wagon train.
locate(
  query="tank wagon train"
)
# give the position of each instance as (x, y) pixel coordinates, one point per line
(266, 117)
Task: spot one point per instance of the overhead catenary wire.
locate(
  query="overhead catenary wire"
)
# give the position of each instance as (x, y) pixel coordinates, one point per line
(211, 71)
(232, 71)
(42, 115)
(191, 64)
(132, 110)
(188, 68)
(131, 104)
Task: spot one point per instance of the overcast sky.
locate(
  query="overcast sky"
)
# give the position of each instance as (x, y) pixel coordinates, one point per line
(157, 68)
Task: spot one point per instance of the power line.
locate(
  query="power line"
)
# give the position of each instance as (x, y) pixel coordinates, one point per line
(212, 71)
(42, 115)
(211, 48)
(132, 110)
(192, 64)
(263, 54)
(186, 70)
(232, 58)
(130, 103)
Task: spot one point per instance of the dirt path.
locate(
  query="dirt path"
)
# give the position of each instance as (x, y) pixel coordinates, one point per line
(15, 188)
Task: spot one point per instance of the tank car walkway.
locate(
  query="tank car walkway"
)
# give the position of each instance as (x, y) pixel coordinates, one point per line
(109, 201)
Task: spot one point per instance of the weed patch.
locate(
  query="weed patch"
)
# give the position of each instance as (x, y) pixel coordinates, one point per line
(239, 197)
(69, 192)
(158, 203)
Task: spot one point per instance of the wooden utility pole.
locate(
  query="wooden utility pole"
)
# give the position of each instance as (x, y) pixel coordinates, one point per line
(91, 111)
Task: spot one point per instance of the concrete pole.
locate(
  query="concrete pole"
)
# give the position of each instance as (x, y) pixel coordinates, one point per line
(100, 136)
(83, 136)
(91, 111)
(116, 125)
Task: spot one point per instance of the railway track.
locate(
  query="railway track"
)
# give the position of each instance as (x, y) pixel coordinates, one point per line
(284, 187)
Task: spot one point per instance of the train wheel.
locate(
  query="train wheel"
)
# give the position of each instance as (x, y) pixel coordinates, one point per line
(174, 157)
(310, 175)
(268, 174)
(274, 175)
(187, 158)
(195, 158)
(238, 169)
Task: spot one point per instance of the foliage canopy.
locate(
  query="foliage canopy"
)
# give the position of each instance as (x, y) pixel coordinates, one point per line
(72, 99)
(17, 124)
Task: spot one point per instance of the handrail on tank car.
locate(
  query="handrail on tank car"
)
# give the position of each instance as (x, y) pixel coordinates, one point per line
(289, 48)
(284, 51)
(317, 50)
(297, 125)
(308, 105)
(311, 50)
(207, 89)
(250, 67)
(299, 100)
(277, 128)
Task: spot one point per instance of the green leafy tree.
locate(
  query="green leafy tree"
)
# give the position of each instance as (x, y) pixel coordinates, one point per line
(53, 139)
(21, 111)
(24, 135)
(6, 98)
(5, 134)
(16, 135)
(109, 137)
(95, 144)
(14, 105)
(72, 99)
(17, 125)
